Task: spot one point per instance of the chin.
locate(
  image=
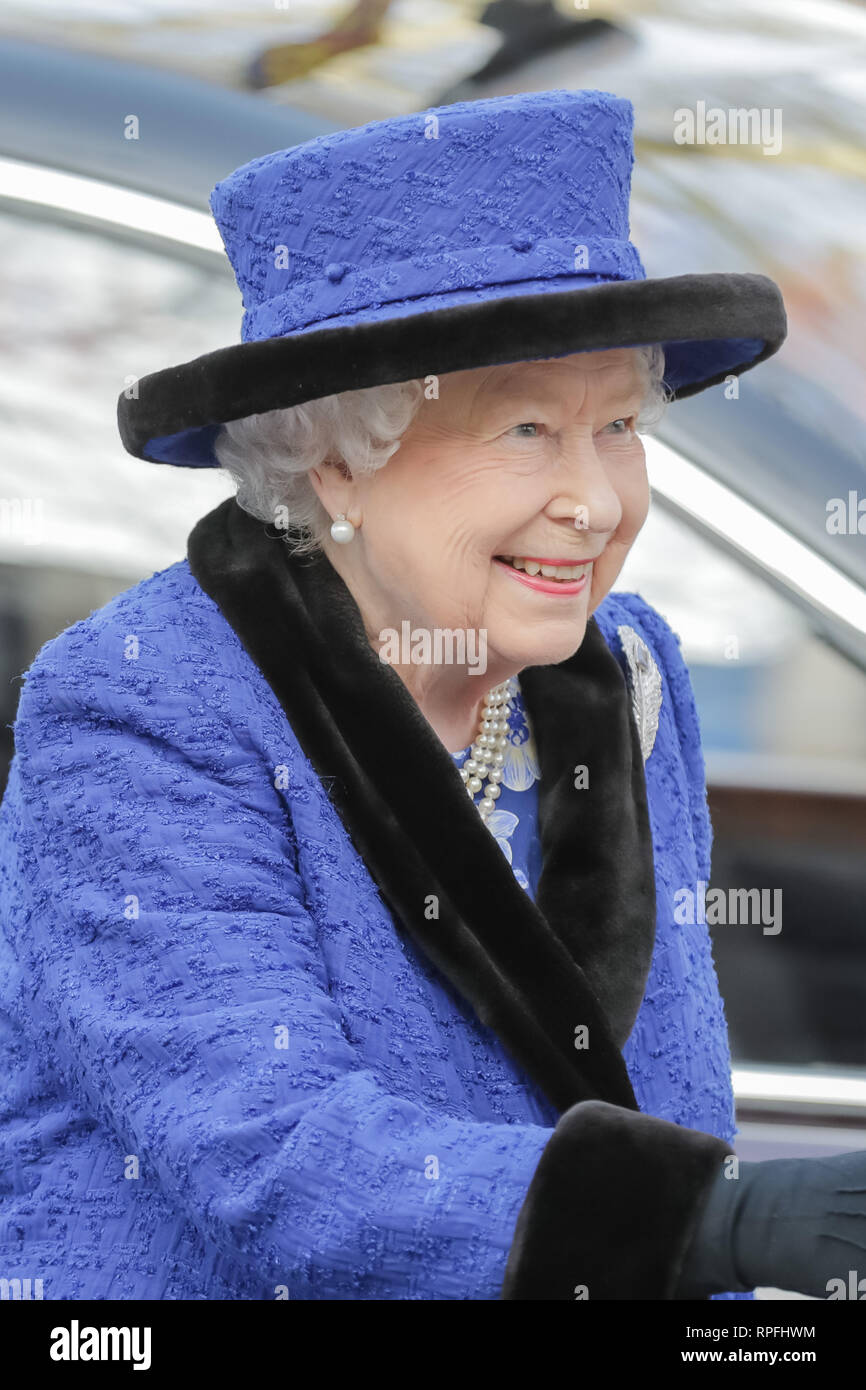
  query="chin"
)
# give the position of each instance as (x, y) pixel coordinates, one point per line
(541, 648)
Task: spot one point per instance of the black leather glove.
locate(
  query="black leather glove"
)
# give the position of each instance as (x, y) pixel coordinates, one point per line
(786, 1223)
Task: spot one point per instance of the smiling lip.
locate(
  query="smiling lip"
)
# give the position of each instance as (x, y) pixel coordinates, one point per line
(566, 587)
(569, 560)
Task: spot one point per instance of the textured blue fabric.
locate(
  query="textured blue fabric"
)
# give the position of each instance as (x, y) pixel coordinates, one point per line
(178, 898)
(467, 197)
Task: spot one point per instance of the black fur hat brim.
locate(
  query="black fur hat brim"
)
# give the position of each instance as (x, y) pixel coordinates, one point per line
(712, 327)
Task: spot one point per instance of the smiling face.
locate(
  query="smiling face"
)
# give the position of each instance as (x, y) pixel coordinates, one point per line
(490, 471)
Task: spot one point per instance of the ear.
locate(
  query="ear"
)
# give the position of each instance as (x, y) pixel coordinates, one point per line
(334, 485)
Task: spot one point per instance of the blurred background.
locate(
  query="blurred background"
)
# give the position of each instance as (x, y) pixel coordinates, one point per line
(755, 549)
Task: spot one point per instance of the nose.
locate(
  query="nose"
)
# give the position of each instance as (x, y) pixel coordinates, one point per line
(583, 486)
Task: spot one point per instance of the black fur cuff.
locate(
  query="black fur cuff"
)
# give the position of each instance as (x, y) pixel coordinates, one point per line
(612, 1208)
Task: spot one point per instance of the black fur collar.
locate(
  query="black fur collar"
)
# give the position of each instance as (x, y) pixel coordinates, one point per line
(532, 972)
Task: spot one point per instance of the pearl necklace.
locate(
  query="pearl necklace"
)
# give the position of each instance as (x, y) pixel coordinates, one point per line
(487, 754)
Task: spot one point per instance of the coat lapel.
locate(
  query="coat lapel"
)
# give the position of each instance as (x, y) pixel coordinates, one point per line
(533, 972)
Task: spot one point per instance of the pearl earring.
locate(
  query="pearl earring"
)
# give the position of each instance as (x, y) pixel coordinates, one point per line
(342, 531)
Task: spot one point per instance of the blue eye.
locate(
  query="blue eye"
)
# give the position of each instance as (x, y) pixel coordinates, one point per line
(533, 425)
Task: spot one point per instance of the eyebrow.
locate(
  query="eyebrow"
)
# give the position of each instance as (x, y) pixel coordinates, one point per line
(515, 394)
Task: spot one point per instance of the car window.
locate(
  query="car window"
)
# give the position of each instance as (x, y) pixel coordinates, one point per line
(766, 683)
(80, 519)
(791, 437)
(81, 316)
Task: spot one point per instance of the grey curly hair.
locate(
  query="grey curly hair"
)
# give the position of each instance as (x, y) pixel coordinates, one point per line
(270, 456)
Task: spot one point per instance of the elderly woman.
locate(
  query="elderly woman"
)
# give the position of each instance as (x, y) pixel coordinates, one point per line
(340, 951)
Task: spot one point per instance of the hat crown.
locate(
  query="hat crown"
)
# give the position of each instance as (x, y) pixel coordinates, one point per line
(479, 194)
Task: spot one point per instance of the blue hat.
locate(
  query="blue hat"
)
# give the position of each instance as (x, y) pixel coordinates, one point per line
(463, 236)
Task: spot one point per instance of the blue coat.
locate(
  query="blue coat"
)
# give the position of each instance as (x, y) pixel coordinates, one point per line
(227, 1075)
